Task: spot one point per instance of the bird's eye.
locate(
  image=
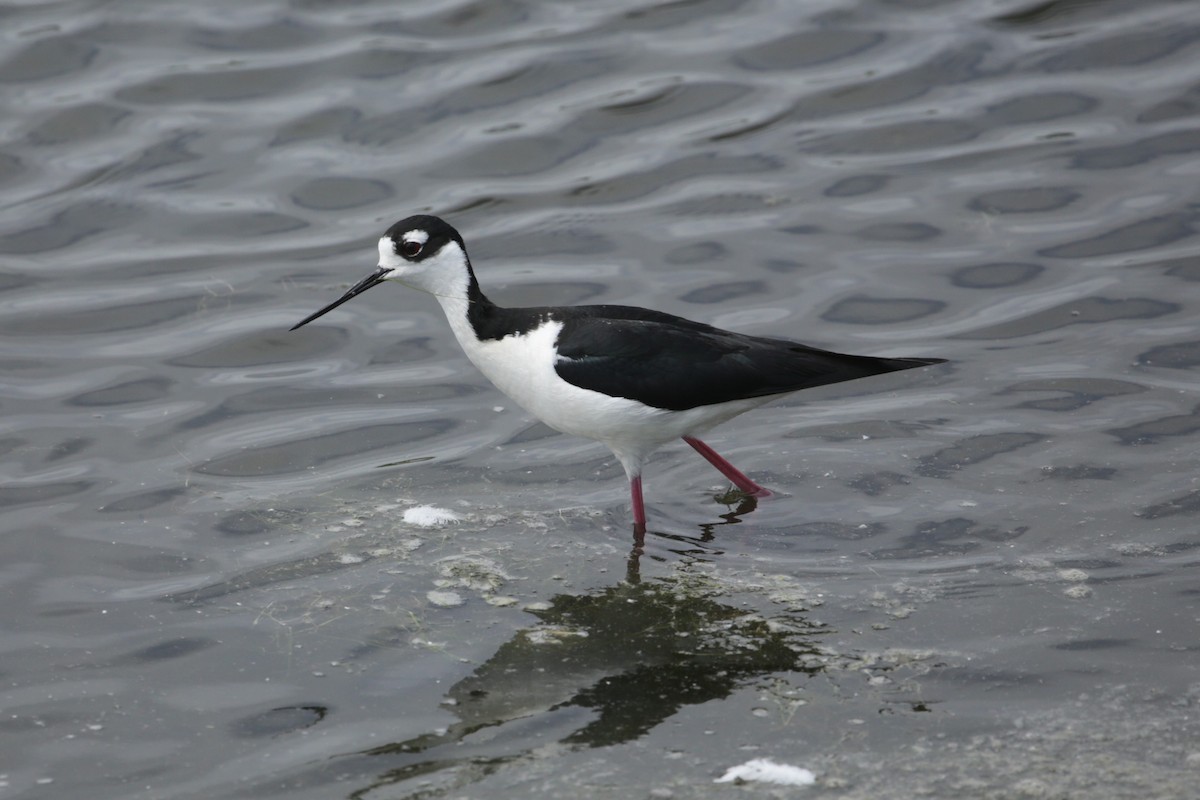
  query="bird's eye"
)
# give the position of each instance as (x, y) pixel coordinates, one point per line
(410, 248)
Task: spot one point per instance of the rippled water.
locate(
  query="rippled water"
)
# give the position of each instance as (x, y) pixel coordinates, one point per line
(976, 580)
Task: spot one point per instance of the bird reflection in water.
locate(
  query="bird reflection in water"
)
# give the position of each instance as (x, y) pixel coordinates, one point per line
(597, 670)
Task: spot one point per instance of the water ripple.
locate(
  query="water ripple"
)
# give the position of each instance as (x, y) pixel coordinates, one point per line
(1010, 186)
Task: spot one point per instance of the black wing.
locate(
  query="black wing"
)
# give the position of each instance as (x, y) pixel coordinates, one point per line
(673, 363)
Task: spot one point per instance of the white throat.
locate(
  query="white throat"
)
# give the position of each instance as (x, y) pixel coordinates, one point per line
(443, 274)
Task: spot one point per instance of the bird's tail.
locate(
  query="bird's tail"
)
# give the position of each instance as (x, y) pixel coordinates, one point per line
(910, 363)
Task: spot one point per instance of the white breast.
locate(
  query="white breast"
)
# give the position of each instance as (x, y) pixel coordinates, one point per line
(523, 368)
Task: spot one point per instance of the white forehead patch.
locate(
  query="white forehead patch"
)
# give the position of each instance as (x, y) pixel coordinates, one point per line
(387, 252)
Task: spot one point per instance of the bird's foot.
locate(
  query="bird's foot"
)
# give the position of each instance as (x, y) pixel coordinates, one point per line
(733, 495)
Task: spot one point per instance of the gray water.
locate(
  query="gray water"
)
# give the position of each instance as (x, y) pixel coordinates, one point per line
(974, 580)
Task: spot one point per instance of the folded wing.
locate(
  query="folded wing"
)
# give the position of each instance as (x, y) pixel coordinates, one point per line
(671, 363)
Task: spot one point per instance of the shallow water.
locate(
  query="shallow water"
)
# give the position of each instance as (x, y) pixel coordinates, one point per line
(976, 579)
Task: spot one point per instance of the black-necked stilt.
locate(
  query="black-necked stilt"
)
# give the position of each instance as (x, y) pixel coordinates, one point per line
(631, 378)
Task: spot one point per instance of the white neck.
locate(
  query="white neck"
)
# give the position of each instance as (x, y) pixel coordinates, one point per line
(455, 305)
(445, 275)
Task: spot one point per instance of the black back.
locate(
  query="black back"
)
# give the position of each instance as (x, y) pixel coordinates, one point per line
(674, 363)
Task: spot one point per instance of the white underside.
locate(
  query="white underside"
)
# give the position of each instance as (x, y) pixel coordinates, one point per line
(523, 368)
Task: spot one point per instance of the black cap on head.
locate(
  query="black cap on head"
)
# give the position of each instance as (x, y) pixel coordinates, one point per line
(437, 229)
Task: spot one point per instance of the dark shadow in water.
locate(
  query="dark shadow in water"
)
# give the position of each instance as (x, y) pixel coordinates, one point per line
(597, 670)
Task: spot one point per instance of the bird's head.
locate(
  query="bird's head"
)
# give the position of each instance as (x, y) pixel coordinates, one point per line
(422, 252)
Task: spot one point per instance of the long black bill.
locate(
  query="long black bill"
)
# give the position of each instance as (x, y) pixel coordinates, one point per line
(366, 283)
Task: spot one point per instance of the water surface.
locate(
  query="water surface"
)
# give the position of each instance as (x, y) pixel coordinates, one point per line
(974, 580)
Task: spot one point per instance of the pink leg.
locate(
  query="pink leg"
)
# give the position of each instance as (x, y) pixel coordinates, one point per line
(639, 508)
(728, 470)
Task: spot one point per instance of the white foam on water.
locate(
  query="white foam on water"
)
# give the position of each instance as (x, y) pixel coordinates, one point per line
(429, 516)
(768, 771)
